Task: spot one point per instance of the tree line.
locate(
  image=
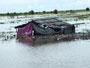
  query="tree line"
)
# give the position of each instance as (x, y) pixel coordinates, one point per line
(32, 12)
(29, 13)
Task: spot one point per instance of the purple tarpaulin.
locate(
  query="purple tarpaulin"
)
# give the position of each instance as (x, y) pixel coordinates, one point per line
(28, 41)
(26, 30)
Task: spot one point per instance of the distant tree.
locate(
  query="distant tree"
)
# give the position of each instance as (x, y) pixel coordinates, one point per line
(72, 11)
(25, 13)
(55, 11)
(44, 11)
(36, 12)
(48, 12)
(15, 13)
(31, 12)
(20, 13)
(8, 13)
(87, 9)
(51, 11)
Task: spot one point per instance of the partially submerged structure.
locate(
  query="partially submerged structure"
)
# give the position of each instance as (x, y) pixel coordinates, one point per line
(45, 27)
(48, 39)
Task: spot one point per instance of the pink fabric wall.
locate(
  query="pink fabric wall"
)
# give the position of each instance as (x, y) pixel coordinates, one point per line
(26, 30)
(28, 41)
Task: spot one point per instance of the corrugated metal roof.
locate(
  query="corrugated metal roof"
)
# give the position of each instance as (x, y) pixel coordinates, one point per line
(52, 22)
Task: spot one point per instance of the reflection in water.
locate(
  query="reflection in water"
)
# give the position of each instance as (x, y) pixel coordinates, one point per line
(46, 39)
(40, 40)
(28, 41)
(74, 54)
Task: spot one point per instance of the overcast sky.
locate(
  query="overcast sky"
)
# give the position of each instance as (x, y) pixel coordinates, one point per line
(41, 5)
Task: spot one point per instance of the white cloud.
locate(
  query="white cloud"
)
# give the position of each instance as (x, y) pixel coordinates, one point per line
(14, 1)
(81, 3)
(40, 5)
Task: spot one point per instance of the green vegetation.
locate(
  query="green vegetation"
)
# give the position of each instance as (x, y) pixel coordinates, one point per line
(87, 9)
(79, 23)
(55, 11)
(32, 12)
(1, 23)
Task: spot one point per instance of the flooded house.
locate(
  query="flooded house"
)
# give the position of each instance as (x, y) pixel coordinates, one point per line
(50, 26)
